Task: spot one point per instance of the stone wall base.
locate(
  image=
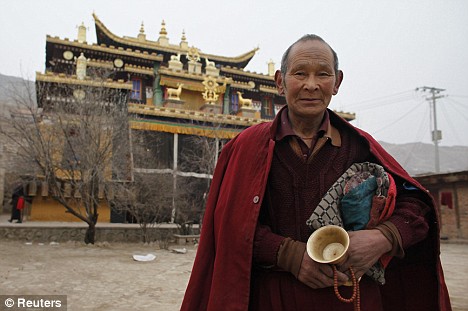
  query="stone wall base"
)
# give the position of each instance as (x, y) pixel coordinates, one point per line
(43, 234)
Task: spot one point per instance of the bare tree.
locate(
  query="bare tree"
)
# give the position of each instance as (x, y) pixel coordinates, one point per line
(147, 200)
(71, 138)
(199, 155)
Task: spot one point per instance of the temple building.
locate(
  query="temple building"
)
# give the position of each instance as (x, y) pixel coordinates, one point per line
(173, 92)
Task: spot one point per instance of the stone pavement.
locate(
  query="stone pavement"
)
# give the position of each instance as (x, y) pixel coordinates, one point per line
(454, 257)
(21, 264)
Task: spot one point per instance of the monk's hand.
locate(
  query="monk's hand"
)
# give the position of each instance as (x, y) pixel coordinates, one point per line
(365, 249)
(318, 275)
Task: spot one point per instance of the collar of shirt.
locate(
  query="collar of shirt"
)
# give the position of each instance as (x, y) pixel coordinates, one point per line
(326, 129)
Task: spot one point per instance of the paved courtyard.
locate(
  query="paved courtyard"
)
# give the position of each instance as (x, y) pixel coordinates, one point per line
(105, 276)
(455, 263)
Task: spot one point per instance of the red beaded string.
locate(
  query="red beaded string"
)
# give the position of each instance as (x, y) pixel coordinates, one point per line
(356, 297)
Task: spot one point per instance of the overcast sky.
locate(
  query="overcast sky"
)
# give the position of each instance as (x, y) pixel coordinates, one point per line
(386, 48)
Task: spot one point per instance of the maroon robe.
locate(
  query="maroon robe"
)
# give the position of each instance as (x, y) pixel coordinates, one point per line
(221, 276)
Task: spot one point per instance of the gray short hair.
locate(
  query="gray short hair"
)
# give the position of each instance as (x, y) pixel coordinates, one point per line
(308, 37)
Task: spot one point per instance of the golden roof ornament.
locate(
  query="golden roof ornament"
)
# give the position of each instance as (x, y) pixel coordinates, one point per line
(210, 68)
(193, 54)
(142, 35)
(211, 90)
(163, 31)
(183, 41)
(163, 40)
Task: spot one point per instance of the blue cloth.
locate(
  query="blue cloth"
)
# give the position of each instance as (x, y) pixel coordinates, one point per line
(357, 203)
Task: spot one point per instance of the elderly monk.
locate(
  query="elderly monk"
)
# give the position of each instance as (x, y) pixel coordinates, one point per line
(268, 181)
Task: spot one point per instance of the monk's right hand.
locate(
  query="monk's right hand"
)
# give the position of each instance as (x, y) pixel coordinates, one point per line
(318, 275)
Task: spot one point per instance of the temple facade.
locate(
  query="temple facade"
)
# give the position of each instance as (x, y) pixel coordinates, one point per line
(174, 93)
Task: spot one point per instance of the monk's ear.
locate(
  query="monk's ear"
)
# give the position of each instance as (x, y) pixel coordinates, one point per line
(339, 79)
(279, 82)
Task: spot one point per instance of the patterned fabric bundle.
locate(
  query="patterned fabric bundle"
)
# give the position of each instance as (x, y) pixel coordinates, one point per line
(361, 198)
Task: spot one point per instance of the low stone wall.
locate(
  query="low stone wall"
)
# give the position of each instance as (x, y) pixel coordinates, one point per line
(47, 234)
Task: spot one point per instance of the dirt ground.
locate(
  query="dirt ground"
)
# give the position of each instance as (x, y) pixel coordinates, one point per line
(106, 277)
(99, 277)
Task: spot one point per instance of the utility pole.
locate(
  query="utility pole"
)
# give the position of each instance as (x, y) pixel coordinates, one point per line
(436, 134)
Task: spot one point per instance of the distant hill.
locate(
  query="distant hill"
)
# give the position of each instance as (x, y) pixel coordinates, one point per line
(13, 85)
(416, 158)
(11, 88)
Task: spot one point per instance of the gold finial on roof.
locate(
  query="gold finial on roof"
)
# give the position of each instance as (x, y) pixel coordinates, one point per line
(183, 41)
(163, 31)
(142, 35)
(163, 39)
(183, 36)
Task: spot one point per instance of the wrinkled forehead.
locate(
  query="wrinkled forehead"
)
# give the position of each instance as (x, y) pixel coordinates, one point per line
(311, 49)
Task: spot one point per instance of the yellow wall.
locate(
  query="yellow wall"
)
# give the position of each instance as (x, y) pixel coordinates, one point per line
(47, 209)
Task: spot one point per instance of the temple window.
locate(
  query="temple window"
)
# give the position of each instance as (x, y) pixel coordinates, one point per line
(234, 102)
(268, 107)
(136, 89)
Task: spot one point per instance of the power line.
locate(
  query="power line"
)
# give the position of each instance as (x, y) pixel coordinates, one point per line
(447, 118)
(460, 105)
(383, 101)
(405, 115)
(419, 136)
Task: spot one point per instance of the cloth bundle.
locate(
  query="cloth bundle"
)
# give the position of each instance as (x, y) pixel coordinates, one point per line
(363, 197)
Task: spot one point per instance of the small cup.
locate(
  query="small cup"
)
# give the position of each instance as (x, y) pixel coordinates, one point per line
(328, 244)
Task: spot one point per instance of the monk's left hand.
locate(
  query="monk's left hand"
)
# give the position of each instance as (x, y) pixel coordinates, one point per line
(365, 248)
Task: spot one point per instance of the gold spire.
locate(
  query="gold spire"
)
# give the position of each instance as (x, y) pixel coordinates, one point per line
(183, 41)
(142, 35)
(163, 31)
(163, 39)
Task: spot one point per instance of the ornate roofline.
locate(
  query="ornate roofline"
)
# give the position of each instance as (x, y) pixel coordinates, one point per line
(193, 115)
(171, 48)
(185, 129)
(192, 76)
(106, 49)
(268, 89)
(139, 69)
(63, 78)
(242, 72)
(207, 117)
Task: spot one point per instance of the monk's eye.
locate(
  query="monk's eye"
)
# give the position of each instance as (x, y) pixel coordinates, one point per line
(300, 74)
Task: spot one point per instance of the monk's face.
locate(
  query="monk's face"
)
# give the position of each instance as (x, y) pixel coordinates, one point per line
(310, 80)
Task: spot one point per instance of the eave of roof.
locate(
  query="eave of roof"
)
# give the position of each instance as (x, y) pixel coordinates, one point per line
(193, 115)
(238, 61)
(106, 49)
(250, 74)
(73, 80)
